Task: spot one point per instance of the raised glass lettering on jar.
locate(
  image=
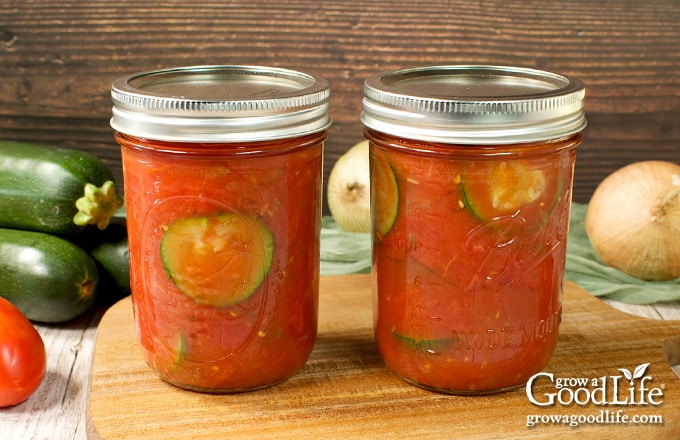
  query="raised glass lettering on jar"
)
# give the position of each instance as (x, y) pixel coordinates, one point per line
(222, 174)
(471, 182)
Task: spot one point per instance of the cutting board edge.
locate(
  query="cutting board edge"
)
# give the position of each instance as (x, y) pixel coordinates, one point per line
(361, 282)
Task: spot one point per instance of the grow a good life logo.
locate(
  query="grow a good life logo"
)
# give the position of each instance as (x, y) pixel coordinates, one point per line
(605, 390)
(630, 389)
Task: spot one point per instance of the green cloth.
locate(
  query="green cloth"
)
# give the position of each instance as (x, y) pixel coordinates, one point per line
(343, 252)
(586, 269)
(347, 253)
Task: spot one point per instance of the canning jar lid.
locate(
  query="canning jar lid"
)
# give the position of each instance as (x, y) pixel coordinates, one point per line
(474, 104)
(220, 104)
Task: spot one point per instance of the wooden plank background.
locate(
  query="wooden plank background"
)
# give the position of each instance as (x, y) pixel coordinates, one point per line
(58, 60)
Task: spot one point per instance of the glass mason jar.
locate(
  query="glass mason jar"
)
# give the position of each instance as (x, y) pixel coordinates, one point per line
(471, 183)
(222, 177)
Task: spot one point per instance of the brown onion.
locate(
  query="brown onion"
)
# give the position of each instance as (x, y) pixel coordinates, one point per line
(633, 220)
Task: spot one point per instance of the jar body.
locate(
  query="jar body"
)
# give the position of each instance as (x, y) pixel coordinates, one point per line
(224, 255)
(469, 248)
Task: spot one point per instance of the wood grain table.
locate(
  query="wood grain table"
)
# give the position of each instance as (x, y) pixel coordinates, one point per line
(58, 59)
(58, 410)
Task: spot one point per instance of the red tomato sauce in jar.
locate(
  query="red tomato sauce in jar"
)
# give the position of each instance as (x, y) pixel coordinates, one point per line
(469, 248)
(264, 338)
(224, 254)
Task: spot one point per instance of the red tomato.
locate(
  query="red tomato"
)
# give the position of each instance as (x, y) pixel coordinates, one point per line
(23, 360)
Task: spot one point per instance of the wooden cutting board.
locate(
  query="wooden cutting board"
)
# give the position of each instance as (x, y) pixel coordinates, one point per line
(345, 392)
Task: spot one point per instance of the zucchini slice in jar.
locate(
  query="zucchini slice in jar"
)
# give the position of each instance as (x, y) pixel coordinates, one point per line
(217, 260)
(501, 188)
(384, 193)
(429, 346)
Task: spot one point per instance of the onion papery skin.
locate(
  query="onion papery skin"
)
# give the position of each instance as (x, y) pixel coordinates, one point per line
(633, 220)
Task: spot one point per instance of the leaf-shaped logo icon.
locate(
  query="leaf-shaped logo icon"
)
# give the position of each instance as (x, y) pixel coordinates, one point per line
(640, 371)
(627, 374)
(637, 373)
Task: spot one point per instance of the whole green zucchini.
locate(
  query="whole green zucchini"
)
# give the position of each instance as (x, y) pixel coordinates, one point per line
(112, 256)
(50, 279)
(54, 190)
